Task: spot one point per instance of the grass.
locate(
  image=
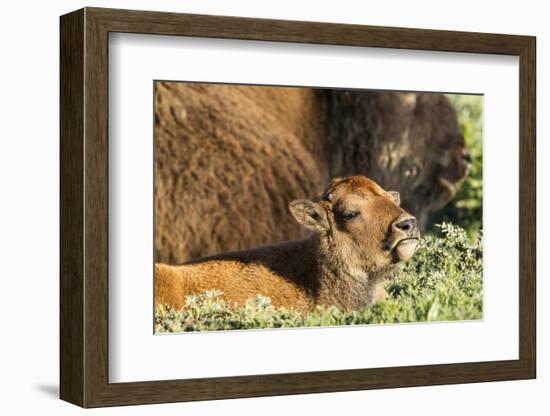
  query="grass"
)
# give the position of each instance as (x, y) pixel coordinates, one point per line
(442, 282)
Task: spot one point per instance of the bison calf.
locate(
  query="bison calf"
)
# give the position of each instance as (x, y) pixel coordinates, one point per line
(358, 232)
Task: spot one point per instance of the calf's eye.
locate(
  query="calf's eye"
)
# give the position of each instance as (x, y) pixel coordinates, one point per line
(350, 215)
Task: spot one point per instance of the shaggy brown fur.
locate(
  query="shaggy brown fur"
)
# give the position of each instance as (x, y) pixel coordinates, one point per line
(404, 141)
(359, 231)
(229, 159)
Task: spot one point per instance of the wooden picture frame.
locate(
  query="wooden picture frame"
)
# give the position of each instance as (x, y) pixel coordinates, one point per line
(84, 207)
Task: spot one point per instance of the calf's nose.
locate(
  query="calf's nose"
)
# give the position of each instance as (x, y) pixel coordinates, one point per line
(409, 225)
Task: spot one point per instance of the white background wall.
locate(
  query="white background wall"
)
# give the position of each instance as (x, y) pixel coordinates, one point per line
(29, 159)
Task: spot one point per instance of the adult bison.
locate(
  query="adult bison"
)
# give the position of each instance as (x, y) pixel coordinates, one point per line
(229, 159)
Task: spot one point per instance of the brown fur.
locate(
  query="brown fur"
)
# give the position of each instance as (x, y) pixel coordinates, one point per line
(405, 141)
(343, 263)
(229, 159)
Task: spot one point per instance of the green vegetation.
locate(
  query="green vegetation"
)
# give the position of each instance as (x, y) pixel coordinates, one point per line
(466, 208)
(442, 282)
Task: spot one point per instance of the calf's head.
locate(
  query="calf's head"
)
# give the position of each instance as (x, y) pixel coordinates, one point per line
(363, 225)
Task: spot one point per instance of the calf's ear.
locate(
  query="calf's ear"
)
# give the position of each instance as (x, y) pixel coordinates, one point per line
(310, 214)
(395, 197)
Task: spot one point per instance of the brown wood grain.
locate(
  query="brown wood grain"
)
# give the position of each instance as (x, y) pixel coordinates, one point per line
(84, 207)
(527, 208)
(71, 213)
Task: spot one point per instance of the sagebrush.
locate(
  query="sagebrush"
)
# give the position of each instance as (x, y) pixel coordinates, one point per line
(442, 282)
